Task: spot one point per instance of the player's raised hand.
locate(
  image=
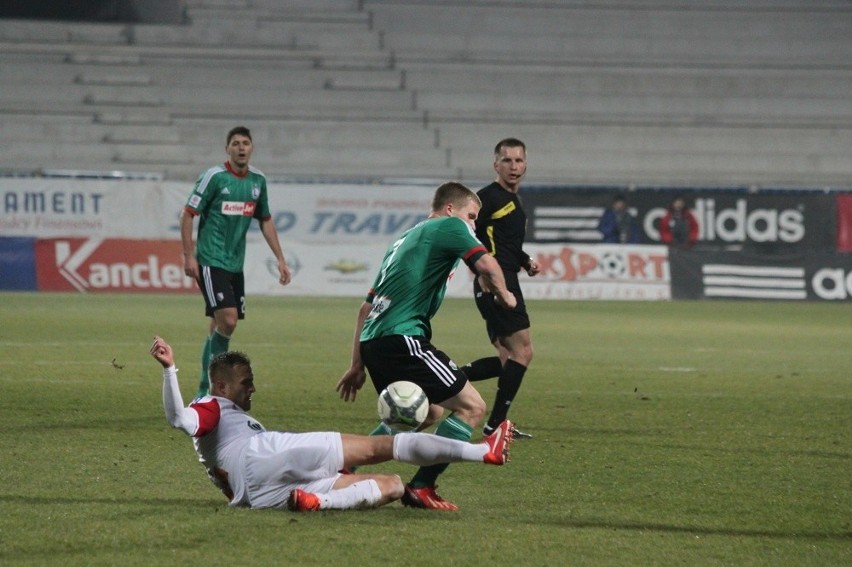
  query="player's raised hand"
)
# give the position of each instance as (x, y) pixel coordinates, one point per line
(162, 351)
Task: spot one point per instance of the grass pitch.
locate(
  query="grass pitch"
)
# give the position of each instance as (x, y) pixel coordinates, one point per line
(675, 433)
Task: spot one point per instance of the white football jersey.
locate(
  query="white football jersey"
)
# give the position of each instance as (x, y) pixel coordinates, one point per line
(220, 438)
(220, 432)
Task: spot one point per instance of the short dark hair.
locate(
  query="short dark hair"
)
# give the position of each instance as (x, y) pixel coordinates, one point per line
(222, 365)
(238, 131)
(452, 192)
(509, 143)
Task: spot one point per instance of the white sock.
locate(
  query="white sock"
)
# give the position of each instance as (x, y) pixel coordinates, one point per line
(427, 449)
(362, 494)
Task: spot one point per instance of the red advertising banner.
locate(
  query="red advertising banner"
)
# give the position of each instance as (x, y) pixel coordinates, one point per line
(844, 222)
(111, 265)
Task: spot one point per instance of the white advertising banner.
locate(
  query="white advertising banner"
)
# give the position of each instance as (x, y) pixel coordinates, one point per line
(48, 208)
(586, 271)
(317, 269)
(330, 213)
(334, 236)
(589, 271)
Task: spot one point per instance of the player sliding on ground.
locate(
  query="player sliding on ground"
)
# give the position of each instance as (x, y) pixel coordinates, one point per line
(257, 468)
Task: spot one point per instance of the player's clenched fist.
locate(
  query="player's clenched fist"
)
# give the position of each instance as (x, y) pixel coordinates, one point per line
(162, 351)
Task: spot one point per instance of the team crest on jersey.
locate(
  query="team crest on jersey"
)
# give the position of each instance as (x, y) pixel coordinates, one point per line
(255, 192)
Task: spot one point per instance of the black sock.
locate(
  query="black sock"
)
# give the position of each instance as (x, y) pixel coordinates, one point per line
(508, 385)
(483, 369)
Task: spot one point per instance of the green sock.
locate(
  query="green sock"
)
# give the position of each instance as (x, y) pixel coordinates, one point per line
(216, 344)
(219, 343)
(453, 428)
(381, 429)
(204, 380)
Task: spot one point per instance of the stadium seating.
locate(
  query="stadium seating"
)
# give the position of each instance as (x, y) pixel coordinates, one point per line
(602, 91)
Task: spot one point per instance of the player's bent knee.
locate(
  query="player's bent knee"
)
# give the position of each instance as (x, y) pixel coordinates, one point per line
(473, 413)
(391, 487)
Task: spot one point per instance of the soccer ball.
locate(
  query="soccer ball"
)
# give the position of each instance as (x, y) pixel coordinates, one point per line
(403, 406)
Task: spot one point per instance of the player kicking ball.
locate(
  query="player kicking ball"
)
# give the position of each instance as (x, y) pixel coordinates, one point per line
(256, 468)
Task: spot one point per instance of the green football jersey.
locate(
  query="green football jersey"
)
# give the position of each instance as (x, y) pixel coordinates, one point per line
(412, 280)
(226, 205)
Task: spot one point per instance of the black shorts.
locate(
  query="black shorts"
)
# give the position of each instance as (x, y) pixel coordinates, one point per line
(221, 289)
(400, 357)
(500, 322)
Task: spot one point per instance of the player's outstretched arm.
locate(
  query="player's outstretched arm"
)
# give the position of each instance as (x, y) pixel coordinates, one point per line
(177, 415)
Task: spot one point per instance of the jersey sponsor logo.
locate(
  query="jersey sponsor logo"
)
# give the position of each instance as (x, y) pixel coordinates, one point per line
(238, 208)
(68, 264)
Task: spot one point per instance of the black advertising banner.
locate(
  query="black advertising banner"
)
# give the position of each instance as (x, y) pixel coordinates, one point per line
(728, 219)
(697, 274)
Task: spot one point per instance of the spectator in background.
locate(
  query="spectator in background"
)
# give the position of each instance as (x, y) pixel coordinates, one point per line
(679, 228)
(617, 224)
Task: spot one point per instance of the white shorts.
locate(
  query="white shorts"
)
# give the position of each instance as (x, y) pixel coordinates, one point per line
(275, 463)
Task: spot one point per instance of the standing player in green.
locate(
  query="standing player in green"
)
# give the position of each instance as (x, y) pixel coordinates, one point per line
(393, 330)
(226, 198)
